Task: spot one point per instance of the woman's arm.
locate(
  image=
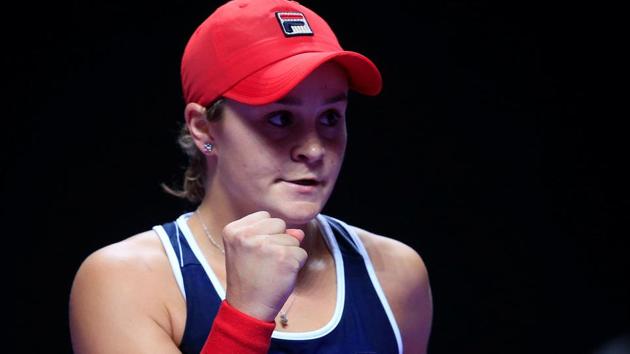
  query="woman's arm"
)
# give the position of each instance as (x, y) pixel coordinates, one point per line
(117, 301)
(405, 281)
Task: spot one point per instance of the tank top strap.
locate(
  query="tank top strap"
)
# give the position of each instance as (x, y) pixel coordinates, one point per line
(202, 301)
(184, 253)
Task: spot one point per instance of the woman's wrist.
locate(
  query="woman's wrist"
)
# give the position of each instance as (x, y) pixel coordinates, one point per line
(236, 332)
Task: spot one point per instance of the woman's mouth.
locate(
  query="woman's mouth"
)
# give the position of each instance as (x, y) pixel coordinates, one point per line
(305, 182)
(303, 185)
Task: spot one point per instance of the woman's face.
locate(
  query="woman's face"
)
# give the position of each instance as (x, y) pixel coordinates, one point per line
(284, 157)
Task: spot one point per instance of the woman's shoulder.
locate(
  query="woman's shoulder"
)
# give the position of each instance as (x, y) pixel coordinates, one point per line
(403, 276)
(387, 252)
(126, 290)
(135, 266)
(124, 284)
(139, 253)
(135, 269)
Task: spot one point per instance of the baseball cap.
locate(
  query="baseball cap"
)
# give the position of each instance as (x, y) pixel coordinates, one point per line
(256, 51)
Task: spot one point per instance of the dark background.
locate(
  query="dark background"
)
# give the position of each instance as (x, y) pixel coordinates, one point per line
(494, 150)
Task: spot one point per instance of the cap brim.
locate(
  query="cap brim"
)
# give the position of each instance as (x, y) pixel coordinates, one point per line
(276, 80)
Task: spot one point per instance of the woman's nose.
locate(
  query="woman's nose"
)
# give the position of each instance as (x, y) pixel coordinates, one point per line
(310, 149)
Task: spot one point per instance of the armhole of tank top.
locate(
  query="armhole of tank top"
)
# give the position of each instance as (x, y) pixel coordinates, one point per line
(172, 257)
(377, 285)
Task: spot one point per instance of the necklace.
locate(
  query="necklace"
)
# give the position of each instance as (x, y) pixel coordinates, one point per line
(284, 319)
(205, 229)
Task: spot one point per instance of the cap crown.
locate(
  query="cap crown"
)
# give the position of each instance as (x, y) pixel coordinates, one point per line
(244, 36)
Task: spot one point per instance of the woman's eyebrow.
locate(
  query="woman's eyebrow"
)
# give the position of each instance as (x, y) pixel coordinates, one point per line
(294, 101)
(337, 98)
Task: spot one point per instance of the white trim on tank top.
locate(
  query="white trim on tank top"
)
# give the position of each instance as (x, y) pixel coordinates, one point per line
(336, 253)
(172, 257)
(332, 244)
(377, 285)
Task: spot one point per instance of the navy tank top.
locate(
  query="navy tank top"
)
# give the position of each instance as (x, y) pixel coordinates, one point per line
(362, 321)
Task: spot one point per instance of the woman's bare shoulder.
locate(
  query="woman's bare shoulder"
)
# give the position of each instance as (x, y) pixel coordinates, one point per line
(123, 288)
(403, 276)
(135, 265)
(141, 253)
(134, 268)
(386, 252)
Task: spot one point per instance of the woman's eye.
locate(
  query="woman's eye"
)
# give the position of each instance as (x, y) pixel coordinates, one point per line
(280, 119)
(330, 118)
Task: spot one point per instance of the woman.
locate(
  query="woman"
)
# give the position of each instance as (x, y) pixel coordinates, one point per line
(256, 268)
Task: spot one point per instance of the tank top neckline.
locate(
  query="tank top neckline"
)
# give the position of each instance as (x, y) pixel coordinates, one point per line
(330, 240)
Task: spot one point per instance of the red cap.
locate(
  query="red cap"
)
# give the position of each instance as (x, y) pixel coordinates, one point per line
(256, 51)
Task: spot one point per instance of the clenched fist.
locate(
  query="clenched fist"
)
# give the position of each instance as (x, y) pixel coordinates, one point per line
(262, 261)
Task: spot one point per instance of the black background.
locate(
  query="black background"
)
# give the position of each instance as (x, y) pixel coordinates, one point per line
(494, 150)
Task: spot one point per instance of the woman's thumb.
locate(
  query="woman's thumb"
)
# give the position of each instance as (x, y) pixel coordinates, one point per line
(297, 233)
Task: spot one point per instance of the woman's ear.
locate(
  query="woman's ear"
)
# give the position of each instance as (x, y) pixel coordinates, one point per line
(199, 126)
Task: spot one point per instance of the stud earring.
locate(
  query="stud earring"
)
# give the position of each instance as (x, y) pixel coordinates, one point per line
(208, 147)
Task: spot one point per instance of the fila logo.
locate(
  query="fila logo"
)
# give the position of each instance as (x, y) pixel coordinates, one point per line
(294, 24)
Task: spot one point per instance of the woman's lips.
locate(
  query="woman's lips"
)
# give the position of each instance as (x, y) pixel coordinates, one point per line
(305, 182)
(303, 185)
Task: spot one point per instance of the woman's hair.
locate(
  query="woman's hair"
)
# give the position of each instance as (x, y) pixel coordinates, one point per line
(193, 184)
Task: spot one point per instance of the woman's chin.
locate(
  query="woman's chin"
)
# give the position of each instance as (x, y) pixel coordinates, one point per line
(298, 213)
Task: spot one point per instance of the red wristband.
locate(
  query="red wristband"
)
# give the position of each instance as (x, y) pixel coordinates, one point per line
(234, 332)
